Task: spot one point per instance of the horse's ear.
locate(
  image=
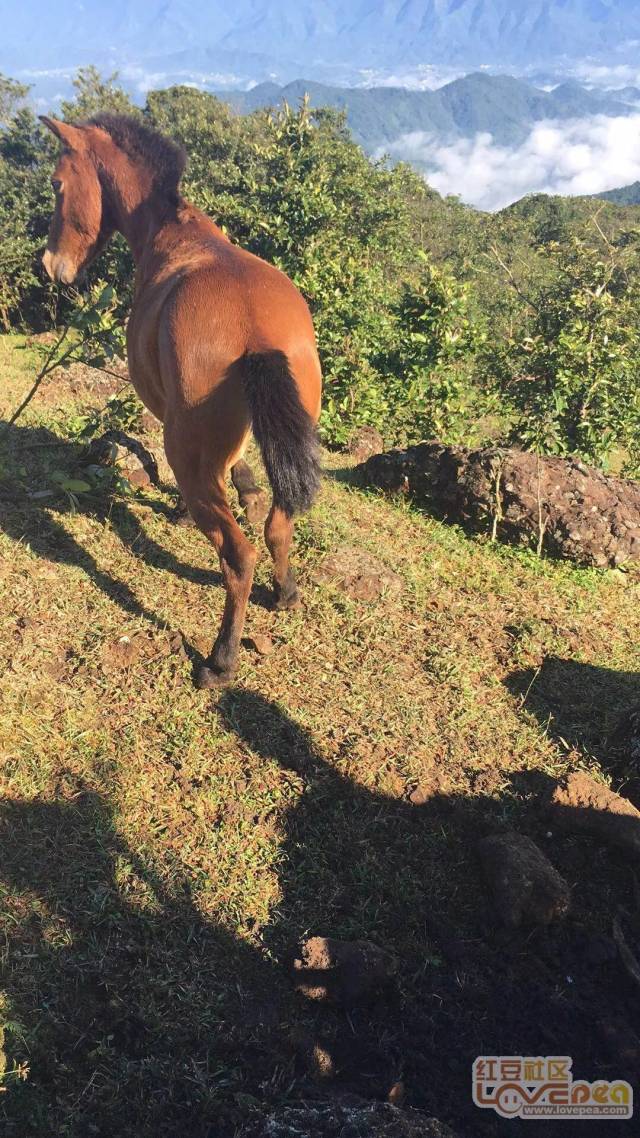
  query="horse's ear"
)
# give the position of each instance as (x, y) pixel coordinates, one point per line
(68, 134)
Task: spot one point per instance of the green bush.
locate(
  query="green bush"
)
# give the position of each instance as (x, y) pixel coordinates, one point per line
(432, 319)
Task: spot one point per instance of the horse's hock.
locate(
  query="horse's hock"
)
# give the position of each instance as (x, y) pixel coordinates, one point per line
(555, 505)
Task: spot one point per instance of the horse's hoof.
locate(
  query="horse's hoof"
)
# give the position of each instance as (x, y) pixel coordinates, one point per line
(206, 678)
(256, 507)
(288, 603)
(180, 516)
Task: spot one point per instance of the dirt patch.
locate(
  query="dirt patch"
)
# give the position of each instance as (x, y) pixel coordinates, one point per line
(128, 651)
(364, 443)
(526, 888)
(581, 803)
(358, 573)
(80, 381)
(352, 1118)
(341, 972)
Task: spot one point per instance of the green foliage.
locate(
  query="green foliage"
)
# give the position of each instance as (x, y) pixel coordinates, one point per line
(432, 319)
(92, 333)
(95, 94)
(573, 380)
(441, 337)
(121, 412)
(26, 160)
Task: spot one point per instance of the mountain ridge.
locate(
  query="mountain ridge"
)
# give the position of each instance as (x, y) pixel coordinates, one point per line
(323, 35)
(502, 106)
(622, 195)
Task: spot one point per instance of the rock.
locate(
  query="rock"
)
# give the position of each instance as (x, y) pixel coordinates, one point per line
(365, 442)
(148, 422)
(581, 803)
(137, 476)
(341, 972)
(352, 1117)
(321, 1063)
(554, 504)
(261, 644)
(526, 887)
(397, 1093)
(361, 575)
(116, 448)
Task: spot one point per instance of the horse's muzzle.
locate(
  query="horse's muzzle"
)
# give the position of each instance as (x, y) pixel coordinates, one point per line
(58, 268)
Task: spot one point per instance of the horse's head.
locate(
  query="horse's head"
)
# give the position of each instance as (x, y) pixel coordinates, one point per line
(80, 226)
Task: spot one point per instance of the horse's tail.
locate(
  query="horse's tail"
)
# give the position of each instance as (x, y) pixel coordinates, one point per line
(285, 433)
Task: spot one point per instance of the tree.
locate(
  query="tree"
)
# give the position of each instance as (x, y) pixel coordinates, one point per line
(576, 388)
(95, 94)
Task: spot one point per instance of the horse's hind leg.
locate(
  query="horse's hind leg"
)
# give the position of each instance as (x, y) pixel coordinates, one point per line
(237, 562)
(252, 499)
(203, 491)
(278, 532)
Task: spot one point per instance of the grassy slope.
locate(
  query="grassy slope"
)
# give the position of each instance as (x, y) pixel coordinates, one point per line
(162, 848)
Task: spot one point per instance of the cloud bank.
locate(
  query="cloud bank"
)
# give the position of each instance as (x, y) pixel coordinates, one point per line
(424, 77)
(580, 156)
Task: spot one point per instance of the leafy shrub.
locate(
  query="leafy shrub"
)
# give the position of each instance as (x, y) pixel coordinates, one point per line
(432, 319)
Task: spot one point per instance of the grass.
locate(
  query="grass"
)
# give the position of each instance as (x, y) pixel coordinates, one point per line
(163, 849)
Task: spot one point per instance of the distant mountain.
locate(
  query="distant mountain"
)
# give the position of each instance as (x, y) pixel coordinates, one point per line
(626, 195)
(233, 43)
(504, 107)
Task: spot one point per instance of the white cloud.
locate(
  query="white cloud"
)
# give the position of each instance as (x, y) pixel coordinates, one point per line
(145, 81)
(581, 156)
(423, 77)
(609, 76)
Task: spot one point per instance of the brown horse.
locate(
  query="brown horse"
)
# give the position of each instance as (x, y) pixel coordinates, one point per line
(219, 342)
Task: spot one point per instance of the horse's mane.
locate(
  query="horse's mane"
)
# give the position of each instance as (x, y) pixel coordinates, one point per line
(142, 143)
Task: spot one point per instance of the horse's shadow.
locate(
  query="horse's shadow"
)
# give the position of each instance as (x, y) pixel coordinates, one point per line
(31, 453)
(590, 709)
(141, 1016)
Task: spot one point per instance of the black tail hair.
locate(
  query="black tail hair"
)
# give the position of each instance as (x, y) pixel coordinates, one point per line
(285, 433)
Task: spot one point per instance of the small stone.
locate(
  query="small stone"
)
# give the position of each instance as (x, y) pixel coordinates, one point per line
(322, 1063)
(396, 1094)
(138, 477)
(526, 887)
(261, 643)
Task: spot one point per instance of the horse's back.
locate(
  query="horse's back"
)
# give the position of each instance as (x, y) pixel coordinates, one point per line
(230, 304)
